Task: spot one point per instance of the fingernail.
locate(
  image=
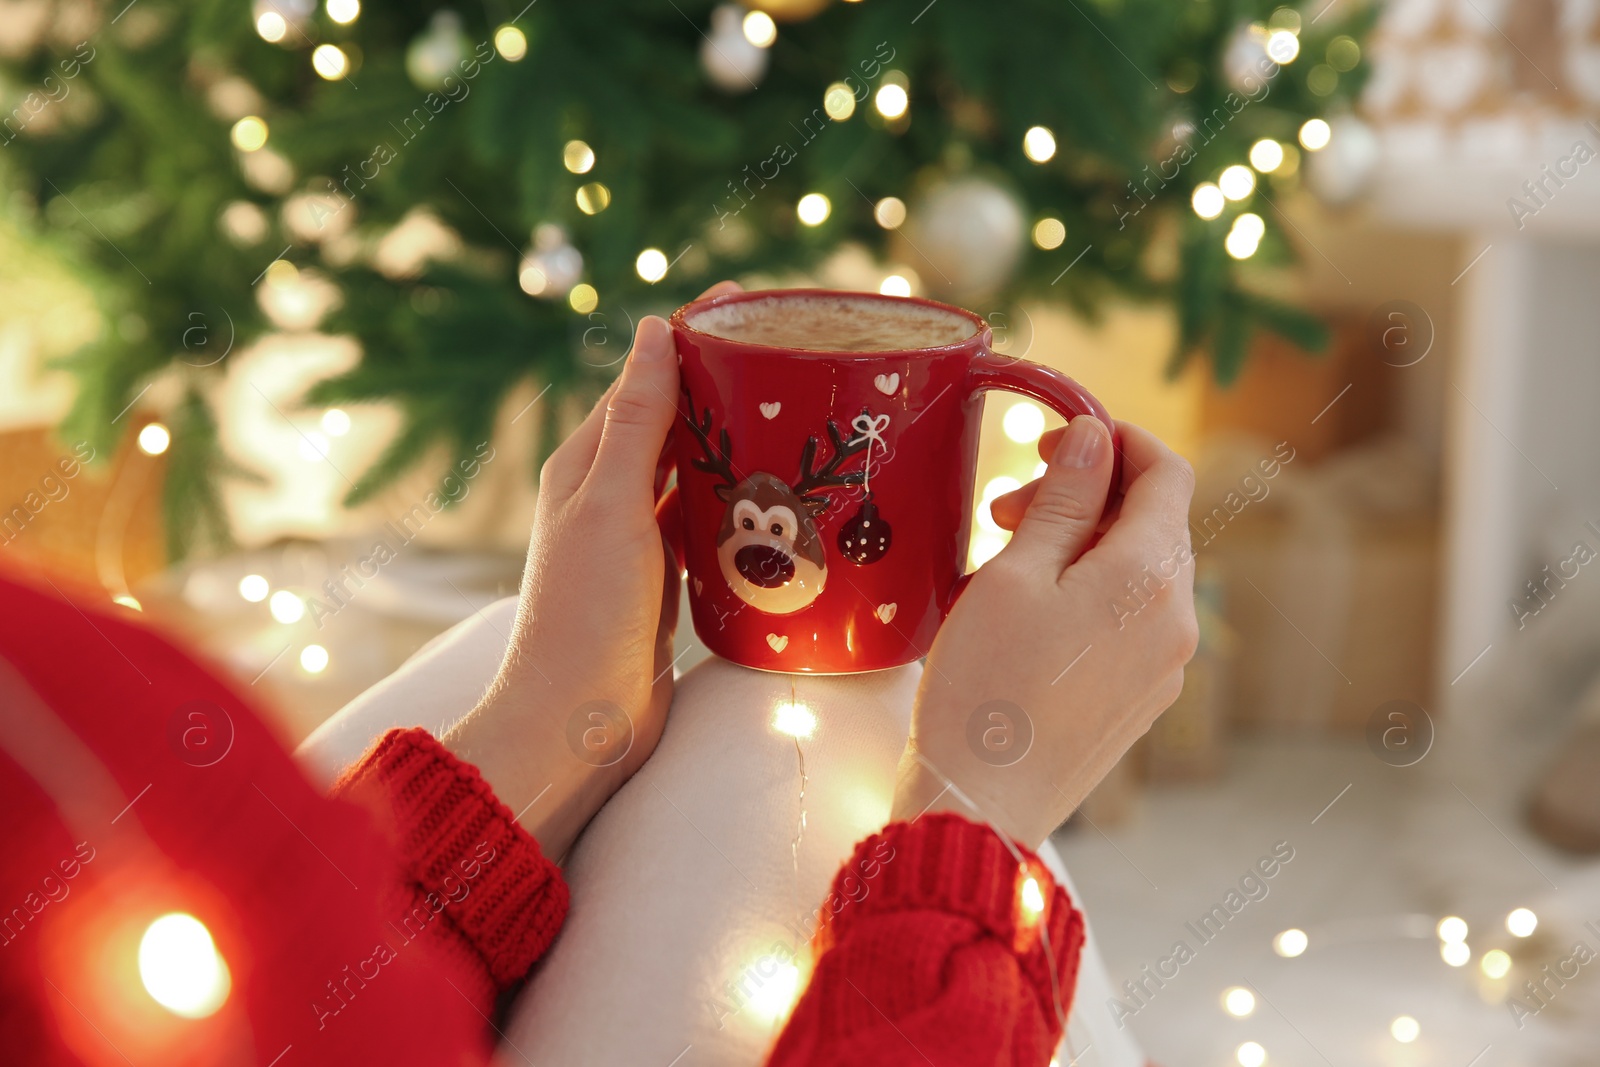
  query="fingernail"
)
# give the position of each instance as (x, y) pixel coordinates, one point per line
(1083, 442)
(653, 341)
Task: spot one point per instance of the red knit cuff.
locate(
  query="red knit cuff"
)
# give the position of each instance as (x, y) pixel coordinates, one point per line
(474, 866)
(945, 863)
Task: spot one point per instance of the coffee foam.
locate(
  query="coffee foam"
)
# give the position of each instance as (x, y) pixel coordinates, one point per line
(834, 323)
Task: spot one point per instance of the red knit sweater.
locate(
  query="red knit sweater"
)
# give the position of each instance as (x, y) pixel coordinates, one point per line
(344, 942)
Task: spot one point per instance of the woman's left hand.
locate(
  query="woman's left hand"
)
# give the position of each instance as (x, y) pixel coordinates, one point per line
(581, 698)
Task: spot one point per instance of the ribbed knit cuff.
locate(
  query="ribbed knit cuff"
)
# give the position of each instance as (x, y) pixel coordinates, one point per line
(945, 863)
(475, 867)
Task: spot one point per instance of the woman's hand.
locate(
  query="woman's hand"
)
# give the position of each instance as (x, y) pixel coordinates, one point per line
(581, 698)
(1058, 655)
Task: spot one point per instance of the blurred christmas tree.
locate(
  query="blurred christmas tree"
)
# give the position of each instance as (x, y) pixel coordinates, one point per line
(462, 192)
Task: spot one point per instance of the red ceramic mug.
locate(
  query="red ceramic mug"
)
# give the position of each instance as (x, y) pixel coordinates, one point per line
(826, 458)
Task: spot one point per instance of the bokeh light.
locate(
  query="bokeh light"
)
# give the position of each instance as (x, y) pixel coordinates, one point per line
(180, 967)
(813, 209)
(154, 439)
(1039, 144)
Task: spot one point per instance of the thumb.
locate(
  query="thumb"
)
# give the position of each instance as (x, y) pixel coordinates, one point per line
(1057, 526)
(640, 413)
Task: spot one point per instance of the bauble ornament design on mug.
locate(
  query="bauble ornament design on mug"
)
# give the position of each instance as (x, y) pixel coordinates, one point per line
(769, 549)
(864, 538)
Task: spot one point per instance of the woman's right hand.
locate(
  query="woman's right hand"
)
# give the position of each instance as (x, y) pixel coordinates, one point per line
(1059, 655)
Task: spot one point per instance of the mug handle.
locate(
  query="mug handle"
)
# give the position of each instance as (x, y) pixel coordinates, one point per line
(1056, 391)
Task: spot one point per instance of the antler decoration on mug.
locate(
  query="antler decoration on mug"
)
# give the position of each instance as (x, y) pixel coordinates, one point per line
(827, 477)
(718, 461)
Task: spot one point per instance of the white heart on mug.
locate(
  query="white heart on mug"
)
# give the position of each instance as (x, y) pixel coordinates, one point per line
(886, 612)
(770, 411)
(698, 586)
(778, 643)
(887, 384)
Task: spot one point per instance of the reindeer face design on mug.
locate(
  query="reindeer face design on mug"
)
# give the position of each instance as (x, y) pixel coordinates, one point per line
(769, 549)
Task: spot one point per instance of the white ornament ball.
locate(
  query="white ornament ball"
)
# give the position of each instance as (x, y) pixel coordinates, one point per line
(971, 231)
(437, 52)
(1245, 61)
(733, 64)
(1343, 170)
(296, 13)
(558, 264)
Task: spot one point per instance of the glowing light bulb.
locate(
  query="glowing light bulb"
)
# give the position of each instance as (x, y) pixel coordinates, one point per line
(286, 607)
(511, 43)
(1032, 898)
(1455, 953)
(1238, 1002)
(774, 998)
(839, 101)
(1266, 155)
(895, 285)
(890, 212)
(794, 718)
(282, 272)
(583, 298)
(1208, 200)
(1237, 182)
(1405, 1029)
(577, 157)
(1240, 245)
(344, 12)
(1023, 422)
(1250, 226)
(128, 601)
(254, 588)
(1315, 134)
(1048, 233)
(1521, 922)
(180, 967)
(329, 62)
(271, 27)
(651, 265)
(1496, 963)
(1250, 1054)
(1039, 144)
(314, 446)
(891, 100)
(249, 133)
(1282, 46)
(313, 659)
(759, 29)
(813, 209)
(593, 198)
(1452, 928)
(532, 280)
(1290, 943)
(154, 439)
(336, 422)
